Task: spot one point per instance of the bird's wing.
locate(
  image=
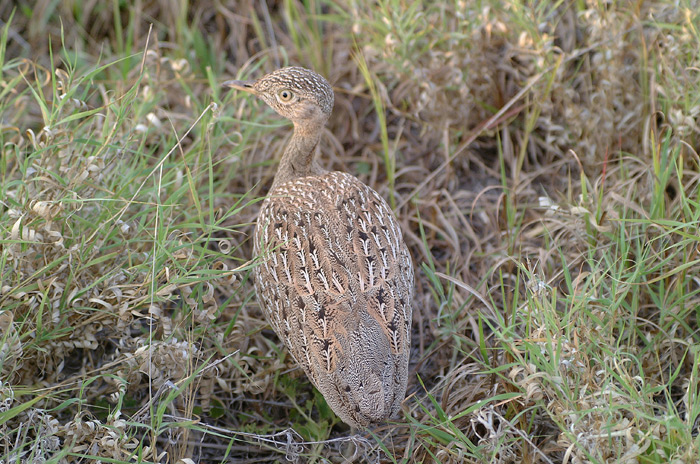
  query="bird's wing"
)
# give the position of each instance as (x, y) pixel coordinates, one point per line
(336, 281)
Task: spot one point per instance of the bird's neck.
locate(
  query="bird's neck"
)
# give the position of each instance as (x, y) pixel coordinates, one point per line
(298, 159)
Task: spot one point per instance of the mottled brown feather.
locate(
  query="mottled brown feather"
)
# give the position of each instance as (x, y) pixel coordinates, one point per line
(335, 279)
(335, 282)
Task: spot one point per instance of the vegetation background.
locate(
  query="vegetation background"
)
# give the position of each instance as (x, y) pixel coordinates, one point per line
(542, 159)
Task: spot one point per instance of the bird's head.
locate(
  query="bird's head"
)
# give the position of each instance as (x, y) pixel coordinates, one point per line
(298, 94)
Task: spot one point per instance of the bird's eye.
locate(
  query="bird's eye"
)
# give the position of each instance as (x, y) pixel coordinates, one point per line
(285, 95)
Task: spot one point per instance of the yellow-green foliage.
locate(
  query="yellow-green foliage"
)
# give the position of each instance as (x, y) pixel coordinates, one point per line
(542, 161)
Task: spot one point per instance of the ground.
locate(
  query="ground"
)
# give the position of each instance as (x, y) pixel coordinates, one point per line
(541, 158)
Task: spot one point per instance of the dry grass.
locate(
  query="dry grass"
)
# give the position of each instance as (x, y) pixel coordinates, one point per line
(542, 159)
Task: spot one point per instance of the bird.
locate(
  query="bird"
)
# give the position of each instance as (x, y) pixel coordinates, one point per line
(334, 276)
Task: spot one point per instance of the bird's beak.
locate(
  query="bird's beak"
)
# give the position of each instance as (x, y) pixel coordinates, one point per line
(246, 86)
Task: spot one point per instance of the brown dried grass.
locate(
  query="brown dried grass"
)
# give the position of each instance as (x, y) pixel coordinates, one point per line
(528, 146)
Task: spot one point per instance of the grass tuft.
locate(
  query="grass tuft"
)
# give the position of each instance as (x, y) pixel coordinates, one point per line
(542, 161)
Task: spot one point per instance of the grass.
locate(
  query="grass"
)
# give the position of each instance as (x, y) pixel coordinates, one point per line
(541, 159)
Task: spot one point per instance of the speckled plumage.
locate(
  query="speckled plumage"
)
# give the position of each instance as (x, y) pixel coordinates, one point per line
(335, 279)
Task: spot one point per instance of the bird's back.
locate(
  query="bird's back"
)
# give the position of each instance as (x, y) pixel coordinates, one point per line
(335, 282)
